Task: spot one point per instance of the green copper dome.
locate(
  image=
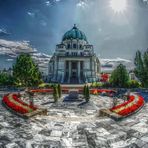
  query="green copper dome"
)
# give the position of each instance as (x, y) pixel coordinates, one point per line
(74, 33)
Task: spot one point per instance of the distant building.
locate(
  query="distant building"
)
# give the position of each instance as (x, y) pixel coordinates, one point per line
(74, 60)
(8, 71)
(132, 75)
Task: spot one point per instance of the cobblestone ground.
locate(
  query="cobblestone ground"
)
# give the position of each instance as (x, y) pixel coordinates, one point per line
(70, 126)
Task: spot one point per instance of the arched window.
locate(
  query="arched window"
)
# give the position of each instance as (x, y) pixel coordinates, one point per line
(68, 46)
(74, 46)
(80, 46)
(67, 53)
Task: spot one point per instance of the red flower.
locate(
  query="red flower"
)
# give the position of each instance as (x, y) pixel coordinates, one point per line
(20, 106)
(130, 109)
(104, 77)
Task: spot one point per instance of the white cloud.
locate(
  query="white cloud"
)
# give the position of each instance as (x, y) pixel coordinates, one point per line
(145, 1)
(42, 60)
(3, 31)
(32, 14)
(116, 60)
(43, 23)
(82, 4)
(48, 3)
(15, 47)
(9, 60)
(108, 65)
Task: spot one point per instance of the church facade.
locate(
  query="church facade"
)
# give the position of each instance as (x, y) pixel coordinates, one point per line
(74, 60)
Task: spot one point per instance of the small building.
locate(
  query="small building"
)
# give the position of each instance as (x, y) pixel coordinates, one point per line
(74, 60)
(132, 75)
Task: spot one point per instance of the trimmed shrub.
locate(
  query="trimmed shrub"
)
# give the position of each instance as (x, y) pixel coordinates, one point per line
(55, 93)
(59, 90)
(96, 84)
(84, 91)
(87, 96)
(134, 84)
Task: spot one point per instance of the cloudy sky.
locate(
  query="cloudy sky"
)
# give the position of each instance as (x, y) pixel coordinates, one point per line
(43, 23)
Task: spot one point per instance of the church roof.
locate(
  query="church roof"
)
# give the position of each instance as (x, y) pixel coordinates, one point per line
(74, 33)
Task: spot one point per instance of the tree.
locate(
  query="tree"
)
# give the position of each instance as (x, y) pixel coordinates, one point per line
(55, 93)
(87, 95)
(6, 79)
(141, 67)
(84, 91)
(26, 72)
(145, 59)
(119, 77)
(134, 84)
(59, 91)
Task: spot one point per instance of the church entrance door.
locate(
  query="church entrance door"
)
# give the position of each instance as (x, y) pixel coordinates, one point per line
(74, 69)
(74, 72)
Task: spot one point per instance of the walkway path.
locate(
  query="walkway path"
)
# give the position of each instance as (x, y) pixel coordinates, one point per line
(73, 119)
(74, 131)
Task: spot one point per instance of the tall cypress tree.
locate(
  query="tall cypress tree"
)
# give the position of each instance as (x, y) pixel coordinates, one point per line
(87, 97)
(59, 90)
(141, 67)
(55, 93)
(84, 91)
(145, 59)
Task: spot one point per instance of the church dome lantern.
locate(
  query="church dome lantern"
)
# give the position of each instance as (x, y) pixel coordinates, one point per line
(74, 33)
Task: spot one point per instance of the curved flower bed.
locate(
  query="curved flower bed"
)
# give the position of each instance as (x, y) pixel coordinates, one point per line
(15, 103)
(134, 103)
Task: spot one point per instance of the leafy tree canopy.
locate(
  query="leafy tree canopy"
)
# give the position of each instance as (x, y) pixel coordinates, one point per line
(141, 67)
(119, 77)
(6, 79)
(25, 71)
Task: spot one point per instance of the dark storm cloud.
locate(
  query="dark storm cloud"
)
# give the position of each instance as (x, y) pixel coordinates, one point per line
(43, 23)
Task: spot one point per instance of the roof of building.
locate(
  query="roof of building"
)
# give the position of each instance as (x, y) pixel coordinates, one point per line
(74, 33)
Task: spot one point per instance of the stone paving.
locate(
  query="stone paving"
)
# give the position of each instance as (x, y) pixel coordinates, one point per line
(70, 126)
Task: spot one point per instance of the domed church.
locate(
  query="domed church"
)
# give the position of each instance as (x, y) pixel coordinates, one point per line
(74, 60)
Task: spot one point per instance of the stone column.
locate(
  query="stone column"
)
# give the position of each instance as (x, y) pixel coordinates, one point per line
(69, 71)
(79, 71)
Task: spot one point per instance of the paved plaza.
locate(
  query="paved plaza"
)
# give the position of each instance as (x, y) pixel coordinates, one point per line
(70, 125)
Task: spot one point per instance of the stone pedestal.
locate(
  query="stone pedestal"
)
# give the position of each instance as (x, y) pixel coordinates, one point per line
(73, 94)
